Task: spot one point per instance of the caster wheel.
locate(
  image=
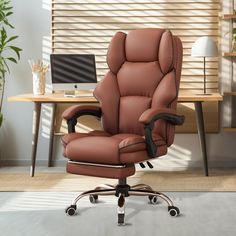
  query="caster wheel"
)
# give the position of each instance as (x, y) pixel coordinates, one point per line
(173, 211)
(71, 210)
(121, 219)
(93, 198)
(153, 199)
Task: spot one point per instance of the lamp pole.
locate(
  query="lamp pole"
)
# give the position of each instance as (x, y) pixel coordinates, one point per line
(204, 75)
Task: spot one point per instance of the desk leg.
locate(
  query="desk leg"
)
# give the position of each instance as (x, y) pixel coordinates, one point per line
(35, 132)
(201, 133)
(51, 138)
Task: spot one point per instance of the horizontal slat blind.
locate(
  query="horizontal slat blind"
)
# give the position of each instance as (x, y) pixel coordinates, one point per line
(86, 26)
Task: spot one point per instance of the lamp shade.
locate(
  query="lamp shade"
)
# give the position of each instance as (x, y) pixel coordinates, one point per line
(204, 47)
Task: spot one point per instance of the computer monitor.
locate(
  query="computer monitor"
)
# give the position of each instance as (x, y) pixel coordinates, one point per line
(73, 71)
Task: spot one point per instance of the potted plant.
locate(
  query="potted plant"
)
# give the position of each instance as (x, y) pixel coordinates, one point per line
(234, 40)
(8, 52)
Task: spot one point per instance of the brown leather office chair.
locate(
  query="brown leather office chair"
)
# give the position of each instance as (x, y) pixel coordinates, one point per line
(138, 98)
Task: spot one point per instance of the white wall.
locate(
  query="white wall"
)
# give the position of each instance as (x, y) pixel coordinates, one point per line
(32, 24)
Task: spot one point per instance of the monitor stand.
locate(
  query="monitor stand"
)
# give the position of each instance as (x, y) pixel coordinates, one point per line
(78, 93)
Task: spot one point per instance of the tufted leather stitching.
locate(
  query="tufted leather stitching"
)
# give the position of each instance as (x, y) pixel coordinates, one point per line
(171, 65)
(132, 144)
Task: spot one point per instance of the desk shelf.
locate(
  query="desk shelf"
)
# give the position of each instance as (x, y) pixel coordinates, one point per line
(229, 16)
(229, 129)
(230, 93)
(229, 54)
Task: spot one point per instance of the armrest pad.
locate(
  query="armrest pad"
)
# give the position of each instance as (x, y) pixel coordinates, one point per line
(149, 115)
(72, 111)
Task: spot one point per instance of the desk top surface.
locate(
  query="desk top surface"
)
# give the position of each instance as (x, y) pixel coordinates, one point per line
(59, 98)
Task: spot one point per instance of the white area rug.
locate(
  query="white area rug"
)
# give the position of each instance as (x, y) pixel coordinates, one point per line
(42, 214)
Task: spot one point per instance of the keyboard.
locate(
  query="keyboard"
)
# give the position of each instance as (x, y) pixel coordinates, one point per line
(78, 95)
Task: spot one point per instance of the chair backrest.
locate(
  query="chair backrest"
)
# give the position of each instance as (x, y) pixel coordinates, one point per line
(145, 69)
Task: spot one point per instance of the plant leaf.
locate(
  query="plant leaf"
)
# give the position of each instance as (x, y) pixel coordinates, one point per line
(12, 59)
(1, 119)
(9, 13)
(3, 35)
(5, 63)
(11, 39)
(16, 50)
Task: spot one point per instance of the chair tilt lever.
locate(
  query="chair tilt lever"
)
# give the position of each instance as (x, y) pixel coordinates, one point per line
(148, 163)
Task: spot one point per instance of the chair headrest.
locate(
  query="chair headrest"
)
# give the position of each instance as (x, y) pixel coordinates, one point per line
(141, 45)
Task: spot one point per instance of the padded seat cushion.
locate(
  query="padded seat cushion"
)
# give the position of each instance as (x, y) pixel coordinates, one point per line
(102, 150)
(134, 144)
(72, 136)
(106, 149)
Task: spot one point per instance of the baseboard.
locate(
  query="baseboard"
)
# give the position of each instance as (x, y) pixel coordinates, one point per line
(158, 165)
(58, 163)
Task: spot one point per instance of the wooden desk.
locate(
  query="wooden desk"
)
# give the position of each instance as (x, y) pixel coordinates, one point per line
(54, 99)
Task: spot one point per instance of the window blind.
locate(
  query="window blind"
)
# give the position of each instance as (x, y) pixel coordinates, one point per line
(80, 26)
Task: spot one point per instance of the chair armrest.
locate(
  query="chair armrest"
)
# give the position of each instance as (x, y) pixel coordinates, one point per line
(72, 113)
(79, 110)
(149, 117)
(168, 114)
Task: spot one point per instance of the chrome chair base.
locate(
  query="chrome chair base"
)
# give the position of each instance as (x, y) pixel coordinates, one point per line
(123, 190)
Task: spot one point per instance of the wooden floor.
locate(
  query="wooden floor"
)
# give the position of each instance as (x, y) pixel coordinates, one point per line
(194, 180)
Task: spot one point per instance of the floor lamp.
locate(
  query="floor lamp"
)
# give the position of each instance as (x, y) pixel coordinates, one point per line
(204, 47)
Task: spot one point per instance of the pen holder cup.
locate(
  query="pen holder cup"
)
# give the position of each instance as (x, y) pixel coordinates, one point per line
(39, 83)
